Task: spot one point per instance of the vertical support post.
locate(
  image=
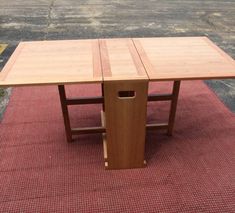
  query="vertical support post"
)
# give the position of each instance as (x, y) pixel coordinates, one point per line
(173, 107)
(65, 113)
(102, 90)
(125, 113)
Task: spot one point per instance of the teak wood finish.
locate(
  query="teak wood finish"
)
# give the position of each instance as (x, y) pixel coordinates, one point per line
(53, 62)
(183, 58)
(125, 100)
(65, 102)
(125, 124)
(79, 61)
(174, 100)
(120, 60)
(123, 67)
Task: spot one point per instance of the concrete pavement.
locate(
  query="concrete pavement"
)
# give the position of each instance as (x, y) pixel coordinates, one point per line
(73, 19)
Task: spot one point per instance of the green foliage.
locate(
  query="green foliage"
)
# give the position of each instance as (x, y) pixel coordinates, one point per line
(2, 92)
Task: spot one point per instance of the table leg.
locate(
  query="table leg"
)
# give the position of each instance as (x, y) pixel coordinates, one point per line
(174, 100)
(102, 91)
(77, 101)
(65, 113)
(125, 119)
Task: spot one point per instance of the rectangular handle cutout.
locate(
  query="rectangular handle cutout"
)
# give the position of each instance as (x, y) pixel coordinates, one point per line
(126, 94)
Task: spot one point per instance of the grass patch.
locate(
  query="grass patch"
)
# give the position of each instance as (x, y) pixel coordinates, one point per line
(2, 92)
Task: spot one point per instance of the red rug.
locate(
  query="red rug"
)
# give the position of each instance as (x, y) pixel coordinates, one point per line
(192, 171)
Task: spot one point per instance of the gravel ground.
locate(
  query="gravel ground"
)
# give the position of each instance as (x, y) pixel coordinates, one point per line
(73, 19)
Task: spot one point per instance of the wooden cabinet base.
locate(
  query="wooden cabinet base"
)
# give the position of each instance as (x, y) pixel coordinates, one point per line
(125, 119)
(105, 145)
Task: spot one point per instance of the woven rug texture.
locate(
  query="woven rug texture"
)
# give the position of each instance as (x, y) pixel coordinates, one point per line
(192, 171)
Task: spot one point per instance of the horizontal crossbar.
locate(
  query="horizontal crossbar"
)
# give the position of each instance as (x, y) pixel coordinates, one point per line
(100, 99)
(162, 97)
(85, 100)
(157, 126)
(90, 130)
(87, 130)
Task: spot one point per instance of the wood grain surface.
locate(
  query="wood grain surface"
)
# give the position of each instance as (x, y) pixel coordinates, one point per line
(125, 119)
(86, 61)
(184, 58)
(120, 60)
(53, 62)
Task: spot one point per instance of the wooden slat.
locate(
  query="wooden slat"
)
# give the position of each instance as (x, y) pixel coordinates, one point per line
(171, 120)
(65, 112)
(184, 58)
(105, 147)
(144, 58)
(85, 100)
(157, 126)
(105, 64)
(87, 130)
(53, 62)
(162, 97)
(97, 72)
(136, 59)
(104, 136)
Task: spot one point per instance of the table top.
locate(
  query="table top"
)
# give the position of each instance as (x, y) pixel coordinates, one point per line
(53, 62)
(184, 58)
(98, 60)
(120, 60)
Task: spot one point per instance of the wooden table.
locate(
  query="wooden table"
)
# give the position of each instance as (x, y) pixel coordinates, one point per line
(123, 68)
